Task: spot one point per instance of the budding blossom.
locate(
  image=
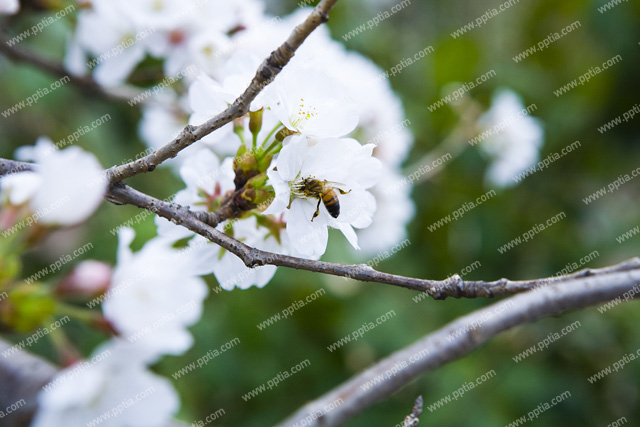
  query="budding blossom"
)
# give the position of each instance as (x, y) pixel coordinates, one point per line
(207, 183)
(88, 279)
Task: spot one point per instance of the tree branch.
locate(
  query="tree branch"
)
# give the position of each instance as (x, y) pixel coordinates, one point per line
(267, 71)
(458, 339)
(552, 296)
(438, 289)
(203, 223)
(8, 167)
(22, 375)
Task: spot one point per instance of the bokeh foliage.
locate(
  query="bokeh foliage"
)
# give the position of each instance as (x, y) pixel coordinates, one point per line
(518, 387)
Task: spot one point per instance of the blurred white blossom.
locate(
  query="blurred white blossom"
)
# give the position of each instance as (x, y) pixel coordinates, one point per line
(516, 146)
(114, 389)
(155, 295)
(18, 188)
(71, 183)
(394, 210)
(9, 7)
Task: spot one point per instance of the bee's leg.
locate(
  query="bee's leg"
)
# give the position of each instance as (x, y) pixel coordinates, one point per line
(342, 191)
(317, 212)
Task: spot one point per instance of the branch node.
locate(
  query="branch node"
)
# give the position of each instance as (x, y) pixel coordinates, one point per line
(189, 131)
(437, 294)
(254, 258)
(324, 17)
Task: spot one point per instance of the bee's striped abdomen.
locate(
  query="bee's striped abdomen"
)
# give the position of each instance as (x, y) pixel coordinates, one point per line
(330, 200)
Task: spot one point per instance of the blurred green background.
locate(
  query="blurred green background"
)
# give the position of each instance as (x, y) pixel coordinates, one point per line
(517, 387)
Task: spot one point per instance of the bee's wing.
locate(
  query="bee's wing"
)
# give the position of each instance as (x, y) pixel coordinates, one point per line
(335, 184)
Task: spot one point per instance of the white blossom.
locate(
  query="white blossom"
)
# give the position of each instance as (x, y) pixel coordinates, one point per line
(18, 188)
(163, 118)
(311, 103)
(235, 77)
(344, 165)
(230, 271)
(206, 180)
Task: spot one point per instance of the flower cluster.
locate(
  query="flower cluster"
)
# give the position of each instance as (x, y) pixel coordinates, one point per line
(316, 151)
(311, 155)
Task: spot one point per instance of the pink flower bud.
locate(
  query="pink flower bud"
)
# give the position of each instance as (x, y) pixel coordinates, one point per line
(89, 278)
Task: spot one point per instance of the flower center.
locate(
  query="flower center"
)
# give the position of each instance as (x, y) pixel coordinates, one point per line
(304, 113)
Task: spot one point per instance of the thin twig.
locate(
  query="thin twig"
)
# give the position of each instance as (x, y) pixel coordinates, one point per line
(452, 146)
(8, 167)
(456, 340)
(123, 93)
(267, 71)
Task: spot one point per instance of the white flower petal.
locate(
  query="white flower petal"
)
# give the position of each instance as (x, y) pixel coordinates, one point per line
(308, 238)
(154, 296)
(320, 109)
(348, 232)
(115, 70)
(291, 158)
(80, 395)
(18, 188)
(282, 196)
(73, 184)
(9, 7)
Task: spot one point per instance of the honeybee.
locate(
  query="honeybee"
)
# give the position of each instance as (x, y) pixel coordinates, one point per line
(325, 191)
